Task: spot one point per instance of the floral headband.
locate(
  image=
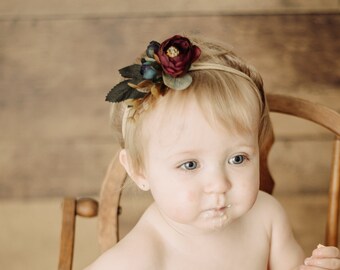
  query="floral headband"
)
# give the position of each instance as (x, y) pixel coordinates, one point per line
(165, 65)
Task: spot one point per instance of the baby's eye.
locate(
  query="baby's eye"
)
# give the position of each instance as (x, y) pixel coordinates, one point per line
(189, 165)
(238, 159)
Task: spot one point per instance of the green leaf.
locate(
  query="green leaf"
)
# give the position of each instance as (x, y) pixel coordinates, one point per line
(179, 83)
(122, 91)
(132, 71)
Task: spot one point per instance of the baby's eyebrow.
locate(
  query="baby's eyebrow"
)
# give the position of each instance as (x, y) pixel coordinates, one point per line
(182, 153)
(239, 147)
(245, 147)
(250, 146)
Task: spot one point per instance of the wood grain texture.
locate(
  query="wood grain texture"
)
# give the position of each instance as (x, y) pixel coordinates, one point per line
(67, 234)
(333, 198)
(61, 70)
(305, 109)
(329, 119)
(109, 204)
(87, 207)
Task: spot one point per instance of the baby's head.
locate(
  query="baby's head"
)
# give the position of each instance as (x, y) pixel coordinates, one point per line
(228, 91)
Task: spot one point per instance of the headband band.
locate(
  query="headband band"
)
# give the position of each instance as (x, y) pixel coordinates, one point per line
(213, 66)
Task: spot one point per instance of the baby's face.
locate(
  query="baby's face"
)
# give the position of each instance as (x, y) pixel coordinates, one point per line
(201, 176)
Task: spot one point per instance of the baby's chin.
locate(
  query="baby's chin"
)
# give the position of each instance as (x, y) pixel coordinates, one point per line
(214, 221)
(217, 223)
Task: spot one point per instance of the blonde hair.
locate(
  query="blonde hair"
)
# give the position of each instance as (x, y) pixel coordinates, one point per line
(225, 98)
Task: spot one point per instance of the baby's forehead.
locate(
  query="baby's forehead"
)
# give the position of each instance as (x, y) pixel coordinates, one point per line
(172, 114)
(172, 121)
(184, 139)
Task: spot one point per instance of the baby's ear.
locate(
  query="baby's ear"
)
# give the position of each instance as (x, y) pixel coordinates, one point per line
(138, 177)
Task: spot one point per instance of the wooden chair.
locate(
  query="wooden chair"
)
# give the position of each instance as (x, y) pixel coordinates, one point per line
(108, 209)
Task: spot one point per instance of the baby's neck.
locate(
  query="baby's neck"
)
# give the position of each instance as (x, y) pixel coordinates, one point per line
(174, 246)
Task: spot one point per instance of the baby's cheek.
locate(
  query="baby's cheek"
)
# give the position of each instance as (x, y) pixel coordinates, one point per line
(191, 196)
(186, 205)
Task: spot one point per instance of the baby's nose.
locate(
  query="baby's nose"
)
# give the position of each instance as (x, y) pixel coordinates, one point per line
(218, 182)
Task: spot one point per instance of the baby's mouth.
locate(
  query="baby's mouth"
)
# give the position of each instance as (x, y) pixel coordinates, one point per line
(221, 208)
(216, 211)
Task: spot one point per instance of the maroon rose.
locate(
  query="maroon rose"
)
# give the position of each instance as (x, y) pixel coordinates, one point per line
(176, 55)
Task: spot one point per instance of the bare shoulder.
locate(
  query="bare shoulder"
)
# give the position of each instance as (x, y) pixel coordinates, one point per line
(268, 206)
(140, 249)
(267, 201)
(269, 211)
(141, 253)
(285, 252)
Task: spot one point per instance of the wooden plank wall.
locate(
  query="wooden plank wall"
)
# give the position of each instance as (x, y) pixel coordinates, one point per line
(58, 59)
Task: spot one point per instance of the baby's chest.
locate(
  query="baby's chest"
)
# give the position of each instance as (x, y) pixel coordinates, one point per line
(242, 253)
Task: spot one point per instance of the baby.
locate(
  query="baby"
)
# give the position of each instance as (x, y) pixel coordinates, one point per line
(193, 123)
